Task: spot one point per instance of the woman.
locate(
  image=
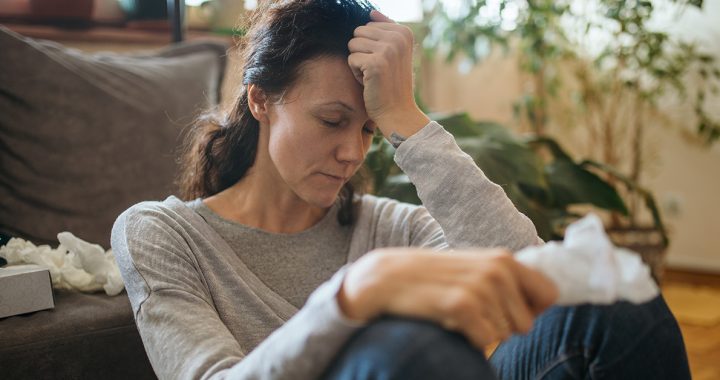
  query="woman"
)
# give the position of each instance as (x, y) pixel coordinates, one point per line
(221, 285)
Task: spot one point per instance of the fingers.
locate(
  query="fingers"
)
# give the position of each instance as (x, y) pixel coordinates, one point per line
(381, 59)
(363, 45)
(364, 31)
(498, 287)
(370, 47)
(455, 308)
(512, 300)
(480, 309)
(378, 16)
(480, 333)
(520, 316)
(539, 290)
(485, 295)
(379, 31)
(462, 311)
(494, 312)
(358, 62)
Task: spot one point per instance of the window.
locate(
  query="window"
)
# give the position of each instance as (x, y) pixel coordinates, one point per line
(401, 11)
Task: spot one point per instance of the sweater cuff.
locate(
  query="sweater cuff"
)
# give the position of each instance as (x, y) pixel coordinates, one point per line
(432, 131)
(325, 297)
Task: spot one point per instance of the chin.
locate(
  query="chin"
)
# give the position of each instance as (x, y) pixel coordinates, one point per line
(320, 200)
(326, 202)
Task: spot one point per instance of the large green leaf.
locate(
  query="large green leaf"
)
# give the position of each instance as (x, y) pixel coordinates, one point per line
(505, 162)
(461, 125)
(635, 187)
(572, 184)
(537, 214)
(379, 161)
(458, 124)
(539, 190)
(399, 187)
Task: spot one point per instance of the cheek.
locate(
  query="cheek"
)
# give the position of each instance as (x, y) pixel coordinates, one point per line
(294, 151)
(282, 148)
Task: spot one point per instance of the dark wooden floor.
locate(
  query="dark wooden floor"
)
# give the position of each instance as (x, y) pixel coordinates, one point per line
(702, 341)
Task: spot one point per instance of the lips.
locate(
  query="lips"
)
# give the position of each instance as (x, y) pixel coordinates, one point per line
(335, 177)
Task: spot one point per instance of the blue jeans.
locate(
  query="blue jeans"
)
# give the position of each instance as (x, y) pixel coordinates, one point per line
(620, 341)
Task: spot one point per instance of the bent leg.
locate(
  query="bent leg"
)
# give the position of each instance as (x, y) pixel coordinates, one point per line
(619, 341)
(399, 348)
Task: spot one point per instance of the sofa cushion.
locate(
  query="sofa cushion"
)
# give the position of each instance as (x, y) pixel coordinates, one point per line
(85, 136)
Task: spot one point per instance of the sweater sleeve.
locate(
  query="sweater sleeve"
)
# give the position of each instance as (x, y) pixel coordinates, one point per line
(183, 334)
(304, 346)
(468, 209)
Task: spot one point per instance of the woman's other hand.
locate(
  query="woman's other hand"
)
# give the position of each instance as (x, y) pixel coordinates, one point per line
(381, 60)
(486, 295)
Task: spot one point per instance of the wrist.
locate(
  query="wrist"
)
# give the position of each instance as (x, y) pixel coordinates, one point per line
(404, 123)
(357, 297)
(349, 306)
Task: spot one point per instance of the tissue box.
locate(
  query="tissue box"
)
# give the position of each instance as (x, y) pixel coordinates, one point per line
(24, 289)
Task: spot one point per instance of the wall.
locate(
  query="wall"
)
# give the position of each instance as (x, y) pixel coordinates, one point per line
(685, 177)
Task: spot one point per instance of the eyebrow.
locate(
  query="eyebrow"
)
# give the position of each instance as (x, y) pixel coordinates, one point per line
(337, 102)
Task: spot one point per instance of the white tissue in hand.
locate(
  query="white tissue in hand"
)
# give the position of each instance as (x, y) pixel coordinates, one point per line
(587, 268)
(75, 264)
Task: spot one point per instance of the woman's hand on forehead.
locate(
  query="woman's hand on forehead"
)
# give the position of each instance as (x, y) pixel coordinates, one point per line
(381, 60)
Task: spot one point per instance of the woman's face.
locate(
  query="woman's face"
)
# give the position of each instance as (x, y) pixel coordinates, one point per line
(319, 132)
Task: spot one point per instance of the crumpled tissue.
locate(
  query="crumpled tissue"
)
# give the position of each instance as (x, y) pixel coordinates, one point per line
(75, 264)
(587, 268)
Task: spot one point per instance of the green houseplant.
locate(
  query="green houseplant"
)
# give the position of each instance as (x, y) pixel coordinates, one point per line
(542, 187)
(609, 88)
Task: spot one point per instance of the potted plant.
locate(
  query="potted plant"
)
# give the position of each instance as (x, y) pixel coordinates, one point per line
(609, 88)
(543, 187)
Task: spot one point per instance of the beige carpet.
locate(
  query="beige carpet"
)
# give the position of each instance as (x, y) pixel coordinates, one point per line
(694, 305)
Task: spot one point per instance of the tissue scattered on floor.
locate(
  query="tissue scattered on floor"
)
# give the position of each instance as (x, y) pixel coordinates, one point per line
(587, 268)
(75, 264)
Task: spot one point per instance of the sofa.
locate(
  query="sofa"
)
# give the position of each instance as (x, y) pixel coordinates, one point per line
(82, 138)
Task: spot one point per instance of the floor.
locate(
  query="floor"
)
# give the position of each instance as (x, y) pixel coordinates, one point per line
(694, 298)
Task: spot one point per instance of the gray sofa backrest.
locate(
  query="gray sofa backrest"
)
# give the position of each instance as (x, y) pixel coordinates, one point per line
(85, 136)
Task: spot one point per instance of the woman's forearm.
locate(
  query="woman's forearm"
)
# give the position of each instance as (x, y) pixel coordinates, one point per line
(471, 209)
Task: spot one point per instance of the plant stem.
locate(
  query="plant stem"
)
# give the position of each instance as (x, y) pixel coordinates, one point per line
(637, 151)
(539, 111)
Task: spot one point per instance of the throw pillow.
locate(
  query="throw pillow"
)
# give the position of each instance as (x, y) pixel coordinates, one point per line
(85, 136)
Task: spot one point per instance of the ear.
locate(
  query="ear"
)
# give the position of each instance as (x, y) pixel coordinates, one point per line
(258, 103)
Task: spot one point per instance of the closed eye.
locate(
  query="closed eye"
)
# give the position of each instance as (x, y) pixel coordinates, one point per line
(331, 123)
(368, 128)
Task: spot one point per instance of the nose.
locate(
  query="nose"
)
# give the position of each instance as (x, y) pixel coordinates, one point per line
(351, 149)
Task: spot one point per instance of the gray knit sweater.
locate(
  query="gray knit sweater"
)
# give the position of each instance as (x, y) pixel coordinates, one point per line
(216, 299)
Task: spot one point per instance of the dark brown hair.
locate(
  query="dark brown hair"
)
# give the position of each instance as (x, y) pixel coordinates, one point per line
(282, 35)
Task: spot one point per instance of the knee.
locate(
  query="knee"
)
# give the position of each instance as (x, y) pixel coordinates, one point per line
(618, 334)
(399, 348)
(618, 341)
(621, 320)
(637, 320)
(646, 334)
